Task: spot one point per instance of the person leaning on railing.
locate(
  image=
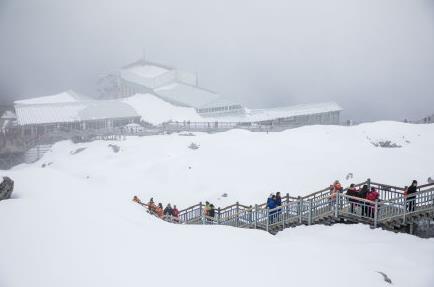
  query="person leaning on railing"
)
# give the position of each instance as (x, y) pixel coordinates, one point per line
(352, 191)
(151, 206)
(372, 196)
(159, 210)
(175, 213)
(335, 188)
(362, 194)
(168, 210)
(410, 195)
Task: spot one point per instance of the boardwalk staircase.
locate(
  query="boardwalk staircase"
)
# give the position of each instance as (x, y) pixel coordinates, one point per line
(391, 212)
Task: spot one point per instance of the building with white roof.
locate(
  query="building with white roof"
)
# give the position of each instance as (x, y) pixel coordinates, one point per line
(157, 94)
(65, 112)
(63, 97)
(320, 113)
(7, 120)
(174, 86)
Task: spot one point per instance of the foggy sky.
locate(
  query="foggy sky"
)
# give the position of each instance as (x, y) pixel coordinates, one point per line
(374, 57)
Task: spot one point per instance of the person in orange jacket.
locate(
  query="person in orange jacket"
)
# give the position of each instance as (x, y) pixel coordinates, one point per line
(159, 210)
(151, 205)
(334, 189)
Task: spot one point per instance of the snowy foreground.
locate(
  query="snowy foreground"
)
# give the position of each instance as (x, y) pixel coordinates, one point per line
(72, 222)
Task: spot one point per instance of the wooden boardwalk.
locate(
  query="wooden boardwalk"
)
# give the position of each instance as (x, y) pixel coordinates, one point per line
(390, 212)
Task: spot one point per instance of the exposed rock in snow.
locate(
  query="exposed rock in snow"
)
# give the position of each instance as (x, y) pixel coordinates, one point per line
(6, 188)
(79, 150)
(193, 146)
(385, 277)
(386, 144)
(115, 148)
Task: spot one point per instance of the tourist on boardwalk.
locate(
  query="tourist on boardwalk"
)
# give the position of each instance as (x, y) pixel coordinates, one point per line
(411, 196)
(278, 199)
(335, 188)
(271, 204)
(352, 191)
(168, 210)
(151, 205)
(278, 203)
(211, 213)
(362, 194)
(175, 213)
(159, 210)
(206, 208)
(373, 196)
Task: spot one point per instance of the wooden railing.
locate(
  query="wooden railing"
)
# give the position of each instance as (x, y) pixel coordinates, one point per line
(392, 208)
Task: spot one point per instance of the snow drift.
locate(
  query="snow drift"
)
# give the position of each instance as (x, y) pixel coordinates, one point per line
(72, 222)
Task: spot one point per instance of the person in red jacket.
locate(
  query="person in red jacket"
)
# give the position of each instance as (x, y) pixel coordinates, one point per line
(175, 213)
(373, 196)
(352, 191)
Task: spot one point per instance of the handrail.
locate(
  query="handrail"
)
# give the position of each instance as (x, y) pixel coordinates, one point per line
(317, 207)
(388, 186)
(426, 185)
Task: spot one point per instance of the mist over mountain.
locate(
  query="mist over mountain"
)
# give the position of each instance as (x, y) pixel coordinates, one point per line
(375, 58)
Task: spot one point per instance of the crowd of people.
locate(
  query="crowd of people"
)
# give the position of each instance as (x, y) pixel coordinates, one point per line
(360, 200)
(367, 208)
(371, 195)
(169, 213)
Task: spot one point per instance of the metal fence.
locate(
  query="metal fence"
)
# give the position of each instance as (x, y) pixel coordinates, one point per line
(392, 209)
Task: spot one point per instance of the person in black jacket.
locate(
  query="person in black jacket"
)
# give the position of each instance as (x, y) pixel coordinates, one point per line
(362, 194)
(278, 199)
(411, 196)
(352, 191)
(168, 210)
(210, 214)
(278, 203)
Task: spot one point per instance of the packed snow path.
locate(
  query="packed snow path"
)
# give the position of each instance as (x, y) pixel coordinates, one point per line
(391, 211)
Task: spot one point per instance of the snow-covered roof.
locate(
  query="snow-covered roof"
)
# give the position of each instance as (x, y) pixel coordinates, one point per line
(156, 111)
(190, 96)
(64, 97)
(147, 71)
(8, 115)
(73, 112)
(219, 102)
(149, 75)
(259, 115)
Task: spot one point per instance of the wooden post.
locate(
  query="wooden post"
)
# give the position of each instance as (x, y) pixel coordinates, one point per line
(256, 216)
(376, 214)
(337, 205)
(300, 209)
(201, 213)
(309, 221)
(267, 222)
(218, 216)
(237, 220)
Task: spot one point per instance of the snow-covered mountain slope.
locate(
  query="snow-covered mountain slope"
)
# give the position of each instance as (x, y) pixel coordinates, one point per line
(72, 222)
(247, 166)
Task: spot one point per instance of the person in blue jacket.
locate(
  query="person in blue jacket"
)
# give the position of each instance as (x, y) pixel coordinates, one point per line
(271, 204)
